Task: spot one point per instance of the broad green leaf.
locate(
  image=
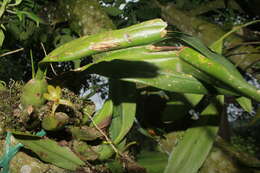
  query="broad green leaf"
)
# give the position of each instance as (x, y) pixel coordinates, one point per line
(103, 116)
(190, 153)
(2, 37)
(153, 162)
(217, 46)
(162, 69)
(216, 66)
(139, 34)
(245, 103)
(123, 97)
(200, 48)
(49, 151)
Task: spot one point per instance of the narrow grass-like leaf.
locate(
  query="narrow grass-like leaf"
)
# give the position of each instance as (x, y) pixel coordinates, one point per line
(139, 34)
(49, 151)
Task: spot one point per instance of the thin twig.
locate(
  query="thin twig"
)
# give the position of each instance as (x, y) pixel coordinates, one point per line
(51, 63)
(43, 48)
(11, 52)
(106, 137)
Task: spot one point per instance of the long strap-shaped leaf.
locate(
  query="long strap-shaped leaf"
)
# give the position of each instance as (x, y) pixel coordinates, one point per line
(216, 66)
(124, 109)
(193, 149)
(123, 97)
(139, 34)
(152, 66)
(49, 151)
(191, 152)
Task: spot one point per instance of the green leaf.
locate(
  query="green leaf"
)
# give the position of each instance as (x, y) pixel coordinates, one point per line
(200, 48)
(123, 97)
(49, 151)
(154, 162)
(192, 150)
(190, 153)
(30, 15)
(139, 34)
(217, 46)
(2, 37)
(216, 66)
(245, 103)
(151, 66)
(104, 115)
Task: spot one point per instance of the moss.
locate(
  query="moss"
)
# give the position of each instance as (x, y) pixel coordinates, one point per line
(86, 16)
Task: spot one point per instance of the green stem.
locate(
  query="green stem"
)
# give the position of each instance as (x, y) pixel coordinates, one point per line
(41, 72)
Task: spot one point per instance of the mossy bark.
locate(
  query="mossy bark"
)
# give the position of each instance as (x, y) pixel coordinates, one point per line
(86, 16)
